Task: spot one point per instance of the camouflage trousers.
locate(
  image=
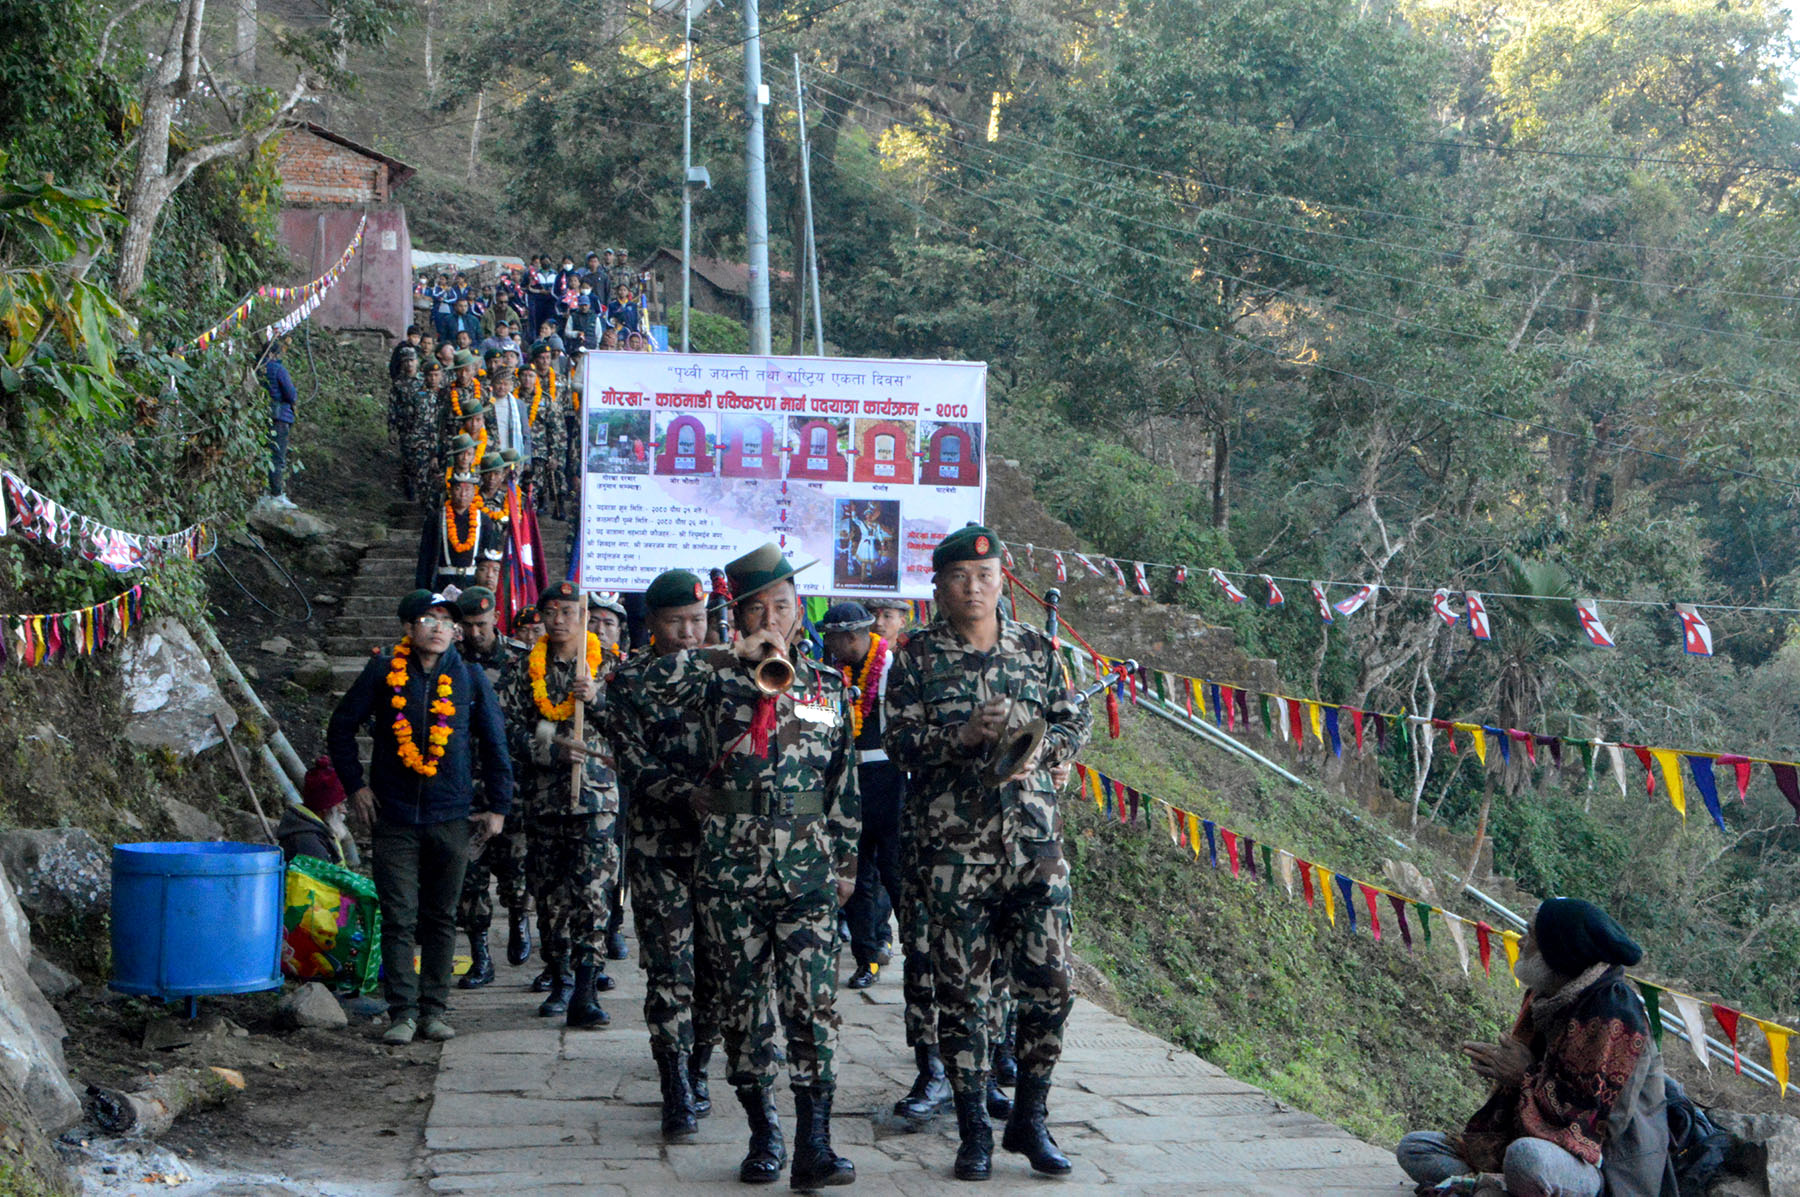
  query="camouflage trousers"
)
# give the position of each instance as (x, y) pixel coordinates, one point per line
(573, 863)
(502, 858)
(681, 996)
(983, 915)
(918, 983)
(420, 479)
(767, 899)
(549, 471)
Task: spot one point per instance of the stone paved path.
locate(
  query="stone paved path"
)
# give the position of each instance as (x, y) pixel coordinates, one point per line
(523, 1106)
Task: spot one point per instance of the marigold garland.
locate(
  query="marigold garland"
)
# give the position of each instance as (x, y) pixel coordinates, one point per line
(537, 665)
(873, 662)
(538, 397)
(460, 543)
(438, 735)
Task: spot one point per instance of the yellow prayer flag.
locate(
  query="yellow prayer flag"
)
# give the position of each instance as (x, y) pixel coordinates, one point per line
(1510, 941)
(1777, 1035)
(1193, 821)
(1199, 697)
(1312, 712)
(1093, 777)
(1322, 882)
(1671, 771)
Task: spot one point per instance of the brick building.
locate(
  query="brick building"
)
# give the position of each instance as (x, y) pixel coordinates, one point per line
(329, 182)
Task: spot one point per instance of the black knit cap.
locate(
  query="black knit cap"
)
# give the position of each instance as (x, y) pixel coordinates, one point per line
(1575, 935)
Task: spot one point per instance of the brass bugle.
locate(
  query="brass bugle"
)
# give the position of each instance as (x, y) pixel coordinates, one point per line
(774, 674)
(1017, 747)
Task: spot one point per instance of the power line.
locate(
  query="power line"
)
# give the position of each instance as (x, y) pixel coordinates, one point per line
(1349, 375)
(1169, 176)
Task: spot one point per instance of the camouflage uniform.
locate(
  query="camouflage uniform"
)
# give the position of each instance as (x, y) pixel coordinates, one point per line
(997, 886)
(572, 859)
(681, 999)
(502, 858)
(780, 828)
(414, 420)
(549, 441)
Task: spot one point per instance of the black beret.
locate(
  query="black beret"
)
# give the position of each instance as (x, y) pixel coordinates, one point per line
(846, 617)
(1574, 935)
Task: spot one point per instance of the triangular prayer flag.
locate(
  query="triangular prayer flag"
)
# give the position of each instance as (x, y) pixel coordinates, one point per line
(1218, 705)
(1368, 894)
(1777, 1035)
(1399, 905)
(1484, 948)
(1424, 910)
(1306, 880)
(1787, 780)
(1618, 768)
(1176, 826)
(1284, 866)
(1212, 844)
(1262, 704)
(1509, 940)
(1250, 856)
(1231, 848)
(1331, 729)
(1653, 1007)
(1692, 1021)
(1343, 884)
(1671, 771)
(1728, 1020)
(1325, 890)
(1741, 768)
(1294, 717)
(1643, 756)
(1193, 829)
(1475, 732)
(1702, 767)
(1454, 923)
(1316, 718)
(1269, 866)
(1230, 704)
(1505, 743)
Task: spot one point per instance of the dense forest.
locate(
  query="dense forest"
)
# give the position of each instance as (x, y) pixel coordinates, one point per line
(1415, 293)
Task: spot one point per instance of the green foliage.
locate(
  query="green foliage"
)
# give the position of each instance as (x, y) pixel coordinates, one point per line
(712, 334)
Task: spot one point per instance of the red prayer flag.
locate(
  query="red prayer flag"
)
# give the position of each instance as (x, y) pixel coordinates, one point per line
(1741, 764)
(1643, 756)
(1305, 879)
(1728, 1019)
(1482, 930)
(1356, 722)
(1231, 849)
(1374, 913)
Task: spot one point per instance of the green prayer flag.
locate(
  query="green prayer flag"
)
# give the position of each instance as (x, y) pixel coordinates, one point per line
(1588, 757)
(1653, 1004)
(1268, 864)
(1424, 921)
(1262, 700)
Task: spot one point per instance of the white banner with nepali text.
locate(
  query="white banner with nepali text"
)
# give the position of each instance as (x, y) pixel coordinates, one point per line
(690, 460)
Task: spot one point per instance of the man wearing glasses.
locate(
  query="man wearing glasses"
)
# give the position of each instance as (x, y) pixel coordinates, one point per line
(424, 707)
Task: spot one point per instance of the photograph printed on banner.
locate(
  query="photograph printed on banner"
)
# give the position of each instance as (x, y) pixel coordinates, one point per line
(686, 444)
(750, 448)
(816, 447)
(619, 442)
(866, 554)
(884, 451)
(952, 454)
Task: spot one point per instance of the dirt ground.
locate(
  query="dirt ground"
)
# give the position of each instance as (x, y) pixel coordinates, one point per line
(319, 1109)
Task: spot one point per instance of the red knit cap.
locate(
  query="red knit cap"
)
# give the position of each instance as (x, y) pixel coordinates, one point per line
(321, 791)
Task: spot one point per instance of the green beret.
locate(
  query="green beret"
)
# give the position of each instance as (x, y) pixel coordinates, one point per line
(559, 592)
(971, 543)
(492, 463)
(420, 601)
(475, 600)
(674, 588)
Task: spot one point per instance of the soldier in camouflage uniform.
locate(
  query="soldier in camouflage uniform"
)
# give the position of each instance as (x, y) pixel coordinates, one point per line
(549, 435)
(572, 859)
(415, 428)
(681, 984)
(502, 856)
(999, 886)
(779, 821)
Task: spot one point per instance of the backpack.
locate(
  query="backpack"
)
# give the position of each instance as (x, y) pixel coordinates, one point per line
(1697, 1147)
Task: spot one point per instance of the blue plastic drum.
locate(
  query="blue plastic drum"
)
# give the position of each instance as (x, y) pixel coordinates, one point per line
(190, 920)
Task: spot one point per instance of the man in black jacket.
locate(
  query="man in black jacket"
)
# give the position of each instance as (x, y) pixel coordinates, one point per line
(426, 709)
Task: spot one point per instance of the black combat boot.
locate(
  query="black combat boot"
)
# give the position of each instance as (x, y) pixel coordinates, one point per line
(930, 1088)
(677, 1100)
(542, 982)
(762, 1163)
(697, 1084)
(481, 965)
(975, 1157)
(602, 982)
(518, 937)
(615, 946)
(1006, 1064)
(999, 1105)
(556, 1001)
(1026, 1132)
(862, 978)
(584, 1011)
(816, 1165)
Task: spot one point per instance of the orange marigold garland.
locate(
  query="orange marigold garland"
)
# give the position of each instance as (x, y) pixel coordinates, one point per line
(442, 709)
(537, 665)
(868, 683)
(458, 542)
(537, 397)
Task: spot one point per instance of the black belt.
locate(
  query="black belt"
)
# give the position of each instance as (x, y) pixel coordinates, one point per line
(767, 802)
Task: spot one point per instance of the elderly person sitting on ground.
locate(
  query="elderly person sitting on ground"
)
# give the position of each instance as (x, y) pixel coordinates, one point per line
(1578, 1103)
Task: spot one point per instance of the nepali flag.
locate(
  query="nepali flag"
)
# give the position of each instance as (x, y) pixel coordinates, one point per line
(1588, 612)
(1180, 575)
(1354, 603)
(1696, 637)
(1007, 553)
(1318, 593)
(1275, 596)
(1478, 616)
(1092, 568)
(1231, 591)
(1137, 573)
(1118, 574)
(1440, 603)
(1062, 573)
